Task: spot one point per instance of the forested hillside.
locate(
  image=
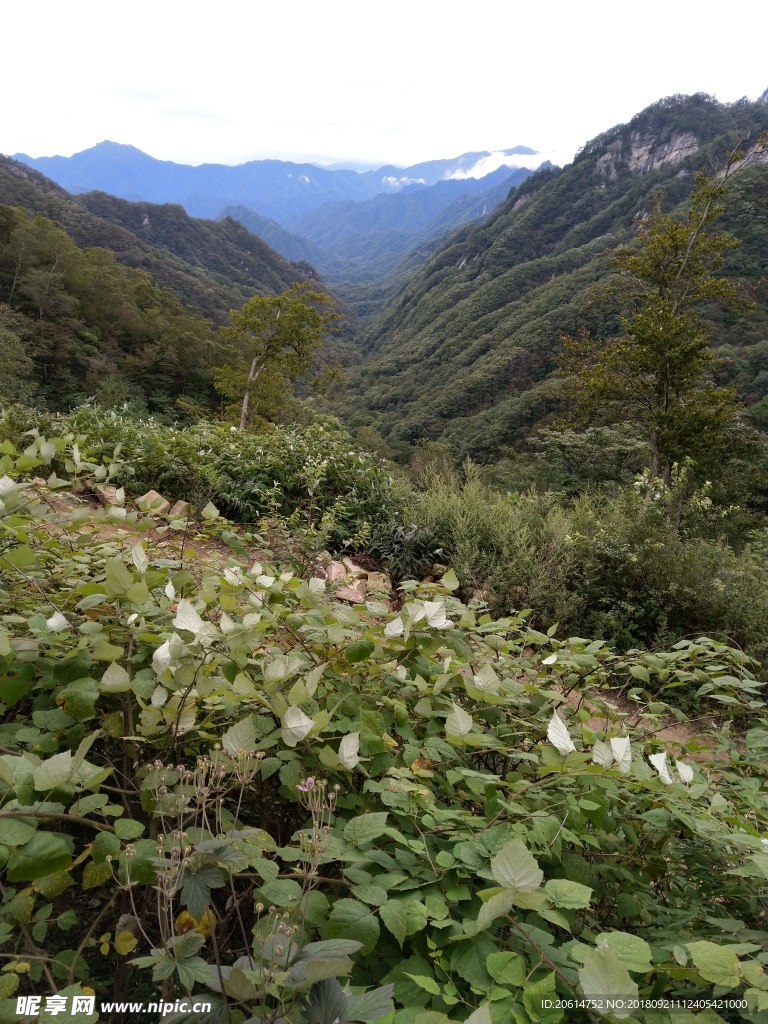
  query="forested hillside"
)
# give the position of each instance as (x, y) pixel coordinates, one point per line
(292, 734)
(288, 244)
(210, 265)
(465, 351)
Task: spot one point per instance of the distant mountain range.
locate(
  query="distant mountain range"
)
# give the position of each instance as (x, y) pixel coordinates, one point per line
(363, 241)
(277, 189)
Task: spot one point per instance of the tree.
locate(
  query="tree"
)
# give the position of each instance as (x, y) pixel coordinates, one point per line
(17, 382)
(275, 338)
(657, 372)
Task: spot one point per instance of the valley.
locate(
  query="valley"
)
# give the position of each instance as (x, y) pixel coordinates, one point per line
(384, 583)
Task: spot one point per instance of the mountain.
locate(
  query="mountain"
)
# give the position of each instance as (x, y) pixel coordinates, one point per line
(357, 242)
(292, 246)
(372, 236)
(277, 189)
(213, 266)
(464, 351)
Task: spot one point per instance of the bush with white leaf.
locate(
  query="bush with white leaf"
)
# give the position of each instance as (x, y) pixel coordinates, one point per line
(219, 780)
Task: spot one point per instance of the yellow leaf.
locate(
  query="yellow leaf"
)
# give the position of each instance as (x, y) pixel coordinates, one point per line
(185, 923)
(422, 766)
(125, 943)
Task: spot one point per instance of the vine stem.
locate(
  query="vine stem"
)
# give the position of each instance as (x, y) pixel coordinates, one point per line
(550, 963)
(48, 815)
(86, 939)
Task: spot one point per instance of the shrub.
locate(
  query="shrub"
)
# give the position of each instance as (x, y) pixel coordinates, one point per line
(313, 470)
(223, 781)
(629, 569)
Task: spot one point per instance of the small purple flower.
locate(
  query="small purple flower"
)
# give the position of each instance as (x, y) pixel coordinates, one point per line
(307, 786)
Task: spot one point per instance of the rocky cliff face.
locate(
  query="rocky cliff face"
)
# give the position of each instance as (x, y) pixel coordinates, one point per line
(644, 153)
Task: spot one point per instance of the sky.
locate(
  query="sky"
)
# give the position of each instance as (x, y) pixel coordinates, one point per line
(351, 80)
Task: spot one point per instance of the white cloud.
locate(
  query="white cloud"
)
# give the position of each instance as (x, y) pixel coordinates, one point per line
(492, 162)
(392, 182)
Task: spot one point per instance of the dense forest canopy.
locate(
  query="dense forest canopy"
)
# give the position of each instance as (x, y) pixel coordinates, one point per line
(84, 325)
(464, 352)
(213, 266)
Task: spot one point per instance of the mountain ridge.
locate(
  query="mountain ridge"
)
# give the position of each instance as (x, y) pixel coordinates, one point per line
(212, 266)
(273, 188)
(463, 353)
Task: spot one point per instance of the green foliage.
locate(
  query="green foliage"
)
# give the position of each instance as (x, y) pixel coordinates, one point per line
(16, 366)
(647, 563)
(477, 842)
(273, 341)
(72, 318)
(657, 373)
(211, 266)
(314, 473)
(464, 350)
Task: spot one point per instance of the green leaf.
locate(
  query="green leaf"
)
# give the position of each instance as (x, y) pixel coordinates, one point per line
(428, 984)
(515, 868)
(283, 893)
(395, 917)
(328, 949)
(556, 917)
(16, 832)
(8, 985)
(128, 828)
(371, 1005)
(104, 651)
(469, 961)
(372, 894)
(715, 963)
(241, 736)
(359, 651)
(22, 557)
(196, 889)
(12, 690)
(67, 920)
(210, 511)
(366, 828)
(458, 723)
(568, 895)
(538, 993)
(118, 578)
(46, 853)
(603, 975)
(506, 968)
(115, 679)
(496, 906)
(52, 772)
(96, 873)
(352, 920)
(631, 950)
(105, 845)
(450, 580)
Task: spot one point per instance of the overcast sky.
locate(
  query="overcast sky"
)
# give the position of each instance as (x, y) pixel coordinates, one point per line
(350, 80)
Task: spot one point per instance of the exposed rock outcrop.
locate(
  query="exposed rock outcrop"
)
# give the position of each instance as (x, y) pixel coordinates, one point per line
(645, 153)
